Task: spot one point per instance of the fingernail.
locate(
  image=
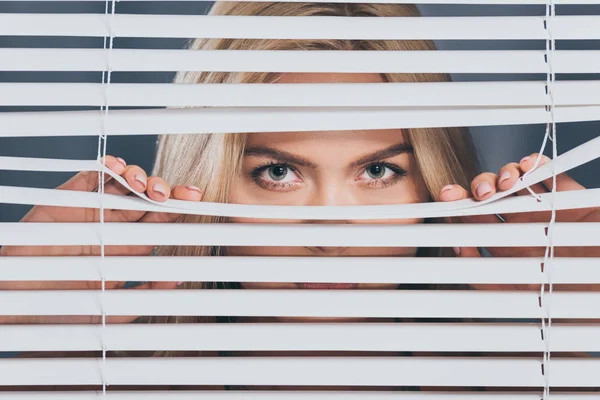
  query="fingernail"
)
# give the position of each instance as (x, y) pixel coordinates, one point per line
(482, 189)
(446, 188)
(139, 177)
(157, 187)
(194, 188)
(119, 159)
(456, 250)
(525, 159)
(504, 176)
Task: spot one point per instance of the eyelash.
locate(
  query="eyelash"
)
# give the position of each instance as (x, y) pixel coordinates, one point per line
(399, 174)
(269, 184)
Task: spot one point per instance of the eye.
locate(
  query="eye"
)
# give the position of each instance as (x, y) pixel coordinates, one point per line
(276, 176)
(376, 171)
(380, 175)
(277, 172)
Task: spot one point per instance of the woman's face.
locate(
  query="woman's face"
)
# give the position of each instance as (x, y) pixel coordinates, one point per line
(355, 167)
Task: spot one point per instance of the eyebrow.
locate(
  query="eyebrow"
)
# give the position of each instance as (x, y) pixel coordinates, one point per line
(391, 151)
(279, 155)
(284, 156)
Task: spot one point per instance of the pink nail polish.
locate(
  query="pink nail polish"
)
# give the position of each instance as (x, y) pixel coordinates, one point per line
(141, 179)
(158, 188)
(525, 159)
(504, 176)
(446, 188)
(483, 189)
(194, 188)
(456, 250)
(179, 284)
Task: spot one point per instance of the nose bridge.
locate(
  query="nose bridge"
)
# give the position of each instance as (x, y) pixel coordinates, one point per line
(332, 194)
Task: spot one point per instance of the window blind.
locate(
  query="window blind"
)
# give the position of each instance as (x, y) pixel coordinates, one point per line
(460, 342)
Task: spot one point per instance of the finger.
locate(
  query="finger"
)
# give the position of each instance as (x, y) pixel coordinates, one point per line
(158, 189)
(88, 180)
(484, 186)
(466, 252)
(508, 176)
(526, 165)
(456, 192)
(189, 193)
(136, 178)
(453, 193)
(563, 181)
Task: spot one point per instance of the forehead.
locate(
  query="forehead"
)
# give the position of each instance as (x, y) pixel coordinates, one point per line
(328, 78)
(351, 141)
(309, 141)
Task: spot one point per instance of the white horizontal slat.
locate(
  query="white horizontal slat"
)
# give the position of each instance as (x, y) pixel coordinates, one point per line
(424, 337)
(438, 61)
(202, 26)
(322, 27)
(278, 119)
(390, 94)
(480, 2)
(289, 395)
(292, 395)
(332, 371)
(304, 303)
(413, 270)
(363, 371)
(360, 235)
(522, 204)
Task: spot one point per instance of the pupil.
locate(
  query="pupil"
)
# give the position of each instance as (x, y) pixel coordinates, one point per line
(376, 171)
(277, 172)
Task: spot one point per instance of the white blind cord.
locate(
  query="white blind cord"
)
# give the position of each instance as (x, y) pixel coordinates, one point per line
(545, 300)
(102, 142)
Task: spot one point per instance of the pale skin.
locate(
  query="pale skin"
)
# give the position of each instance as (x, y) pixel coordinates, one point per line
(307, 168)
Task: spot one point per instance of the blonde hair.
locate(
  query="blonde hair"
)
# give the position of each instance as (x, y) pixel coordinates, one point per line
(212, 161)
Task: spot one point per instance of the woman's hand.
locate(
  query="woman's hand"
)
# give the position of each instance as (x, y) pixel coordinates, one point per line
(154, 187)
(487, 184)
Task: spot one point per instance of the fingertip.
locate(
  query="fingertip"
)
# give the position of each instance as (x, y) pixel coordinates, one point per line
(187, 193)
(483, 190)
(505, 180)
(450, 193)
(159, 192)
(136, 178)
(120, 160)
(158, 189)
(195, 190)
(113, 164)
(527, 163)
(467, 252)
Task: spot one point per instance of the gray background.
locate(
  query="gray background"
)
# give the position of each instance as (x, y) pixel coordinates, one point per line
(497, 145)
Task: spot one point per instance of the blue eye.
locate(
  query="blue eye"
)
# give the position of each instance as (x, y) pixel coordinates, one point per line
(278, 172)
(376, 171)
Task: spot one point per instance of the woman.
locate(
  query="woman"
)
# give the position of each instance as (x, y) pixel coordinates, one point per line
(356, 167)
